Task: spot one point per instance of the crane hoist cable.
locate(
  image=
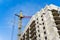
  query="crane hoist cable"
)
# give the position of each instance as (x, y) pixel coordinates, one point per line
(13, 26)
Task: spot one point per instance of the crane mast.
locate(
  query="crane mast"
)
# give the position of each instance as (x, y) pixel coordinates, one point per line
(19, 28)
(20, 23)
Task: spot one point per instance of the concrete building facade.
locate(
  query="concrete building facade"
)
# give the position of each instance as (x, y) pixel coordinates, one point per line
(44, 25)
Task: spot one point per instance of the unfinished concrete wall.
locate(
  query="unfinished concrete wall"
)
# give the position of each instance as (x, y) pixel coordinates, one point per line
(44, 25)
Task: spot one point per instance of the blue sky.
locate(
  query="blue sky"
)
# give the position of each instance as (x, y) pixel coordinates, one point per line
(9, 7)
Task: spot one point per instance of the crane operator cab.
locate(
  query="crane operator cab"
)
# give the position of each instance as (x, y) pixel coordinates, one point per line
(21, 15)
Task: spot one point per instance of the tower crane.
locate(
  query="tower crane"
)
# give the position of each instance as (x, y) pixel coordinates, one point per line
(21, 16)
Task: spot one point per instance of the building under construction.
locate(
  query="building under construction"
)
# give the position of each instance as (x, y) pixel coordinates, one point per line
(44, 25)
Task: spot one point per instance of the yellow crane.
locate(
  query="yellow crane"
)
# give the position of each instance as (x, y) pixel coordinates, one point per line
(20, 23)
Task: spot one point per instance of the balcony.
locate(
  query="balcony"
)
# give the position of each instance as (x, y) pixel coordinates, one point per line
(27, 32)
(57, 22)
(56, 17)
(58, 26)
(33, 25)
(34, 33)
(27, 37)
(34, 29)
(21, 39)
(55, 14)
(59, 32)
(34, 38)
(24, 37)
